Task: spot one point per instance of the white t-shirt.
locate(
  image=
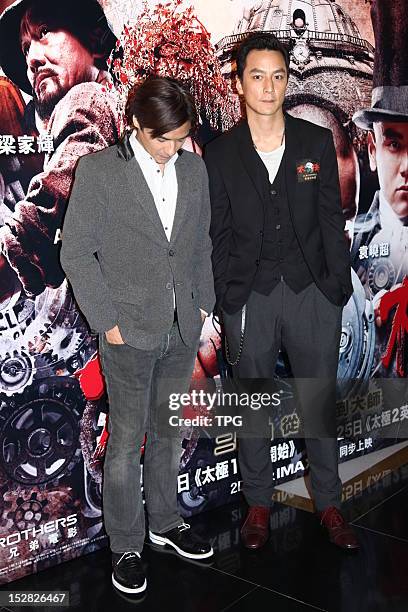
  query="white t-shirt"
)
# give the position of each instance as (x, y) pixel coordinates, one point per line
(272, 160)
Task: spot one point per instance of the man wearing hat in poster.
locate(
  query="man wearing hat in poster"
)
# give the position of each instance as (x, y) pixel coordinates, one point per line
(381, 238)
(55, 52)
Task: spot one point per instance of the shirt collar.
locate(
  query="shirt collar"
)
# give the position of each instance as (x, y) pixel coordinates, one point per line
(388, 218)
(271, 154)
(143, 157)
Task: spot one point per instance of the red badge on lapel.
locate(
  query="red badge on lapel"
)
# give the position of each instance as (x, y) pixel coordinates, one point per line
(307, 170)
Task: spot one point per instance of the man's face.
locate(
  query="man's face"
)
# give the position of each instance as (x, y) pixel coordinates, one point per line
(264, 82)
(163, 147)
(56, 61)
(388, 153)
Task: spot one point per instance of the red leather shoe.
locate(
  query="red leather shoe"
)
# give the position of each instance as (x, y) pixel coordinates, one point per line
(255, 530)
(340, 532)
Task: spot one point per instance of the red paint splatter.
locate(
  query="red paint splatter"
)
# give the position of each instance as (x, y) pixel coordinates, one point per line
(398, 296)
(91, 379)
(169, 40)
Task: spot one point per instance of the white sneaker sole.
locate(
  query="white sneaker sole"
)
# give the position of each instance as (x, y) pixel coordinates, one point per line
(124, 589)
(161, 541)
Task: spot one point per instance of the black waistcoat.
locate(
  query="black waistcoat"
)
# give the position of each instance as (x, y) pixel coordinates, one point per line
(281, 255)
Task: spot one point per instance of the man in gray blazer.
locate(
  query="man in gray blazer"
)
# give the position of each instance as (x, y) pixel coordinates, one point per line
(137, 251)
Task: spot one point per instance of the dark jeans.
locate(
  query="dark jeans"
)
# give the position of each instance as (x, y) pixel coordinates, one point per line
(308, 327)
(138, 384)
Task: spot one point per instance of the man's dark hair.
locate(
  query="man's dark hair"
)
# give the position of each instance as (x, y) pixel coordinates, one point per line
(160, 104)
(259, 41)
(62, 16)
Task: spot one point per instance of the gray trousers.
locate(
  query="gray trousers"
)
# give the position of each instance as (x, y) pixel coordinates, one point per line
(308, 326)
(138, 383)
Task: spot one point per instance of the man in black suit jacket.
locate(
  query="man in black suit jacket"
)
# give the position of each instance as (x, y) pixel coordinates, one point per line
(282, 270)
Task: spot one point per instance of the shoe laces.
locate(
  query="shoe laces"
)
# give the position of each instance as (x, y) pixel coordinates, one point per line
(183, 526)
(130, 557)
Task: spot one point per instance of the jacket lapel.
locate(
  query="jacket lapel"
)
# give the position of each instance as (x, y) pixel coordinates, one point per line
(252, 163)
(293, 152)
(183, 193)
(139, 187)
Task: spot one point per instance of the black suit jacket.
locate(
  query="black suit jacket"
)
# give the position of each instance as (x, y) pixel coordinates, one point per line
(239, 192)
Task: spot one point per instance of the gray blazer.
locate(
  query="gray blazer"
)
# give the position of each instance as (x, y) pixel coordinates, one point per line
(116, 255)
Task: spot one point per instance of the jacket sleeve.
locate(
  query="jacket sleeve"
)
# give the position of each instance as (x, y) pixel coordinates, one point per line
(220, 228)
(80, 243)
(82, 122)
(202, 255)
(332, 221)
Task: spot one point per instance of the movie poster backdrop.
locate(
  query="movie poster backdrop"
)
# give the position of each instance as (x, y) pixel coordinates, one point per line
(63, 97)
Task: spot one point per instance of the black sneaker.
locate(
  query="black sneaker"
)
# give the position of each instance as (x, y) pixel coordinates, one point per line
(184, 542)
(128, 575)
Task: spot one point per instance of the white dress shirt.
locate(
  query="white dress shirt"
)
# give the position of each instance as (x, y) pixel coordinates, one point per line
(163, 186)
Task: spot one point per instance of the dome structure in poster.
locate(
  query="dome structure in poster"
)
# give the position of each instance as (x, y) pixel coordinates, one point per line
(320, 16)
